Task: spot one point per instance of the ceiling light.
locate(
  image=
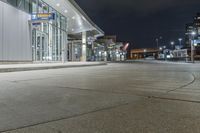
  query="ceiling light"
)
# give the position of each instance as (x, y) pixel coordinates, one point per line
(83, 18)
(58, 4)
(65, 11)
(73, 17)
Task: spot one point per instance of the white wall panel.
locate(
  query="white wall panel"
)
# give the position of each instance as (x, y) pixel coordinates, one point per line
(1, 32)
(16, 43)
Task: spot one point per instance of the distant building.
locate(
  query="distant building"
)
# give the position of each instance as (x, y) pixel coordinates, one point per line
(189, 29)
(144, 53)
(197, 25)
(107, 48)
(193, 27)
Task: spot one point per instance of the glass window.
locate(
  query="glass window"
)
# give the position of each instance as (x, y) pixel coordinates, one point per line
(58, 19)
(20, 4)
(51, 10)
(28, 6)
(40, 6)
(34, 6)
(12, 2)
(62, 23)
(45, 8)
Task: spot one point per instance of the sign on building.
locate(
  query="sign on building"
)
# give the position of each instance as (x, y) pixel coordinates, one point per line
(43, 16)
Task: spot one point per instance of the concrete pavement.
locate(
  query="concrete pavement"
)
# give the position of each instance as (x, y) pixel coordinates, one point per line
(116, 98)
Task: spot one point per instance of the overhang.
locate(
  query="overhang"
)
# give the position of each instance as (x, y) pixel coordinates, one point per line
(78, 21)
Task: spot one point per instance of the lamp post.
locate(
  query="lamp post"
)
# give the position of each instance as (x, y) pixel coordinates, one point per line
(157, 42)
(192, 46)
(172, 44)
(180, 41)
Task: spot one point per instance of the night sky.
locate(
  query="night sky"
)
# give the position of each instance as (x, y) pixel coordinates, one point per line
(140, 22)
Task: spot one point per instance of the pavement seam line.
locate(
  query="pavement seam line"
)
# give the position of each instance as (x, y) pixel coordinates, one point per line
(144, 96)
(173, 99)
(66, 118)
(181, 87)
(112, 92)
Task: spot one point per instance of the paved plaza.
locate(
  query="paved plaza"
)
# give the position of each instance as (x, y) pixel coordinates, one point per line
(114, 98)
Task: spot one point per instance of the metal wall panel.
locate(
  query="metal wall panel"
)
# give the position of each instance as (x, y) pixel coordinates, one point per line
(1, 31)
(16, 44)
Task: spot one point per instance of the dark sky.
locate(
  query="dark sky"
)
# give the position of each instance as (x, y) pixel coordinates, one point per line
(140, 22)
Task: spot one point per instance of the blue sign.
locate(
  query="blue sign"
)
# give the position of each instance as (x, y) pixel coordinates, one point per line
(43, 16)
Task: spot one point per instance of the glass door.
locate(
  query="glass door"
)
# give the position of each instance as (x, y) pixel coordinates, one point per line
(40, 46)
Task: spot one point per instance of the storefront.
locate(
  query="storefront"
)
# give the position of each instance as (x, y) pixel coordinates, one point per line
(37, 31)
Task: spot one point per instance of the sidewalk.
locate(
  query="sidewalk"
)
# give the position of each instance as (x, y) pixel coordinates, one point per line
(161, 62)
(29, 67)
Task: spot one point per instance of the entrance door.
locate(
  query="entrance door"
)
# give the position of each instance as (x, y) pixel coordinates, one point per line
(74, 51)
(40, 46)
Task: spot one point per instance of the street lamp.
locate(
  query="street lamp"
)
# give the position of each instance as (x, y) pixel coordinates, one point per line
(172, 44)
(180, 40)
(157, 41)
(192, 46)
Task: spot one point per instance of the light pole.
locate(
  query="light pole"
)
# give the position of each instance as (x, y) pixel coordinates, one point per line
(157, 40)
(164, 52)
(180, 41)
(172, 44)
(192, 46)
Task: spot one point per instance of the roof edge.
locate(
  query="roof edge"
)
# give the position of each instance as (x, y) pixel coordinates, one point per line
(73, 2)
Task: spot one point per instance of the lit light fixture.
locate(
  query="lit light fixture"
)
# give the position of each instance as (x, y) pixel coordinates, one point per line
(73, 17)
(43, 5)
(80, 23)
(65, 11)
(58, 4)
(72, 29)
(193, 33)
(83, 18)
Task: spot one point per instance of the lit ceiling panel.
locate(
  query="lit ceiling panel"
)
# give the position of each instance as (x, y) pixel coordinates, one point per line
(77, 21)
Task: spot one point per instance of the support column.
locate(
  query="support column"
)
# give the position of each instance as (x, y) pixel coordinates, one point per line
(192, 49)
(192, 52)
(84, 40)
(64, 47)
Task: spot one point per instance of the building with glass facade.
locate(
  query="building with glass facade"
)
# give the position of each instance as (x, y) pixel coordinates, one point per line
(45, 31)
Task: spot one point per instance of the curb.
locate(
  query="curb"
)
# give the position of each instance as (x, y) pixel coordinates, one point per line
(155, 62)
(18, 69)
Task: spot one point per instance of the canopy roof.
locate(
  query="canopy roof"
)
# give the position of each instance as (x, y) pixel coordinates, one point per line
(78, 21)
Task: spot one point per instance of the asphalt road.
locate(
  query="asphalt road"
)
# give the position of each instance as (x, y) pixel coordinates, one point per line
(117, 98)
